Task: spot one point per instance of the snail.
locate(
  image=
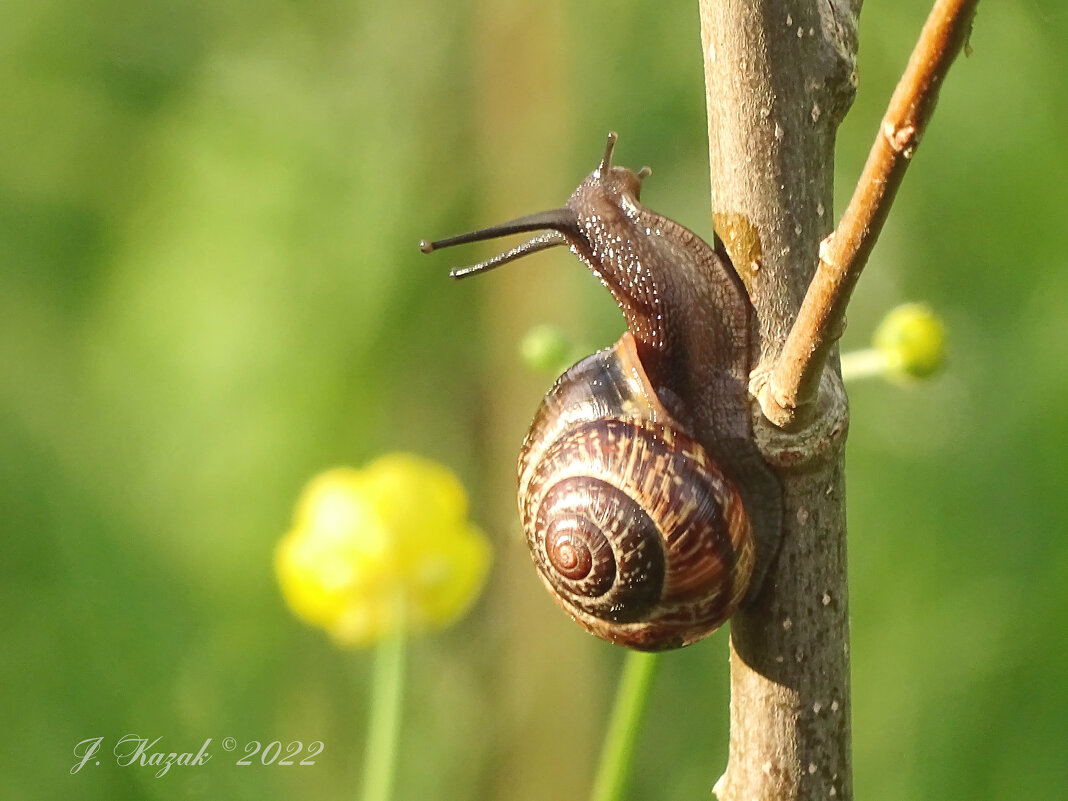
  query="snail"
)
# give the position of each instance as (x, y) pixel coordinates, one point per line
(649, 511)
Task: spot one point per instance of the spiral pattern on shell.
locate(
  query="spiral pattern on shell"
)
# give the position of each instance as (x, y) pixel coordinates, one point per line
(636, 532)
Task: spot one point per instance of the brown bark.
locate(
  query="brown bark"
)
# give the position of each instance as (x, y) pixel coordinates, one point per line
(780, 77)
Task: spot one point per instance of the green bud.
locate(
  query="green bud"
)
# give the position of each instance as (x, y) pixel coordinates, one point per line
(546, 348)
(913, 341)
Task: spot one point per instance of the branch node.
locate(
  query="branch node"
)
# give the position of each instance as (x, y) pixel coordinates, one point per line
(825, 245)
(903, 139)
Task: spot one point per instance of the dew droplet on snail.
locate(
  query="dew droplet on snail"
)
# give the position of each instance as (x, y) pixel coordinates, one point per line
(649, 511)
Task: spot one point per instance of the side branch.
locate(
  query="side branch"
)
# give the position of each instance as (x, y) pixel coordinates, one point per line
(790, 387)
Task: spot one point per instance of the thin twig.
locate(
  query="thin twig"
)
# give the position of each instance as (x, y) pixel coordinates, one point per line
(795, 375)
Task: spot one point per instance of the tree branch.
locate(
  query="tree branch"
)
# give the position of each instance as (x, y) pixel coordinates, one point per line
(792, 383)
(780, 75)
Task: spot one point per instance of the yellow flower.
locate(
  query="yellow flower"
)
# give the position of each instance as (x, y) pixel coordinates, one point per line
(913, 341)
(375, 549)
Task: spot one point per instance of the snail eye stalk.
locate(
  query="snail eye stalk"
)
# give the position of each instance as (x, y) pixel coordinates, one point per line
(550, 223)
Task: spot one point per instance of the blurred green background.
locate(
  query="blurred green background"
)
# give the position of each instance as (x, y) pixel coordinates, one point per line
(210, 291)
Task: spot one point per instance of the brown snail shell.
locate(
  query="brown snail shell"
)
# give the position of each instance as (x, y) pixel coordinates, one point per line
(633, 527)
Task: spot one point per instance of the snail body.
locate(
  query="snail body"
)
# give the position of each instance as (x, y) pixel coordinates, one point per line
(649, 511)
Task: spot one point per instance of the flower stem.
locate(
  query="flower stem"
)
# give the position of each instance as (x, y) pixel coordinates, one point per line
(631, 698)
(859, 364)
(387, 691)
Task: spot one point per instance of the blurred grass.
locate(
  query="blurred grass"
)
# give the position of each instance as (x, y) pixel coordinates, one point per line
(209, 290)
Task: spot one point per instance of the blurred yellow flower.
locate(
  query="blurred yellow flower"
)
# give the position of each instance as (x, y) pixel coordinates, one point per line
(913, 341)
(380, 548)
(910, 343)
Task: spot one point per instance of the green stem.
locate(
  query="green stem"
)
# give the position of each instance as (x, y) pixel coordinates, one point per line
(387, 691)
(631, 699)
(860, 364)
